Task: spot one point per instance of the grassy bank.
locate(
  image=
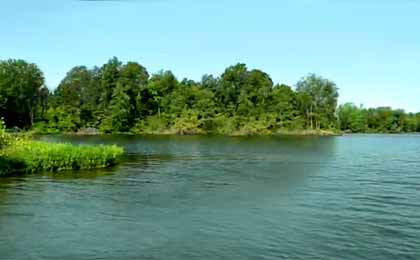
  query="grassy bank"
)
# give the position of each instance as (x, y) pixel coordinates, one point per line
(22, 155)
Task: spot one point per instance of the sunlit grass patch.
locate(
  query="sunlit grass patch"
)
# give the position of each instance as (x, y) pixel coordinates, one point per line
(21, 154)
(35, 156)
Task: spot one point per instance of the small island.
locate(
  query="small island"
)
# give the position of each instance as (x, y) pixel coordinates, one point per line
(20, 154)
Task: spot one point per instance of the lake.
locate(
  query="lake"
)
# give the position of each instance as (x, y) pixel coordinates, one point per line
(191, 197)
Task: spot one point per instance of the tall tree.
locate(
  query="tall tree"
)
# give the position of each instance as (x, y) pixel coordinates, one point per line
(109, 75)
(254, 94)
(319, 100)
(134, 79)
(284, 104)
(231, 82)
(118, 117)
(160, 86)
(21, 84)
(352, 118)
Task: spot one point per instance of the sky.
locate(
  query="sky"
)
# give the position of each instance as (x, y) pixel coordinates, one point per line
(369, 48)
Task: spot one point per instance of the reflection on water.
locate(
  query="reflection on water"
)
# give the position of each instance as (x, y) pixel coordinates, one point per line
(222, 198)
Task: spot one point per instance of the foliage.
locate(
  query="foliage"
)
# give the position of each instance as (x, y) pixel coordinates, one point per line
(263, 125)
(318, 101)
(4, 137)
(151, 125)
(21, 91)
(380, 120)
(188, 123)
(43, 127)
(122, 97)
(224, 124)
(352, 118)
(119, 112)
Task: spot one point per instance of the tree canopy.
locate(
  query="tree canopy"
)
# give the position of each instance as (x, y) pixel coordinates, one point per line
(123, 97)
(21, 91)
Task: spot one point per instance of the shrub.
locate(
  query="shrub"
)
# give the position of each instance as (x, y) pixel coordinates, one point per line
(188, 123)
(151, 125)
(224, 124)
(43, 128)
(4, 137)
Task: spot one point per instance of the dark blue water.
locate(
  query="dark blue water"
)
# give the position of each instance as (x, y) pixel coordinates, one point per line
(351, 197)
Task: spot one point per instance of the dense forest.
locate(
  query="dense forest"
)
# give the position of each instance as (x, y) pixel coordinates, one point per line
(122, 98)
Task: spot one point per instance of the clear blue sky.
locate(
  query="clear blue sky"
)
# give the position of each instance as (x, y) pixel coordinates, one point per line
(370, 48)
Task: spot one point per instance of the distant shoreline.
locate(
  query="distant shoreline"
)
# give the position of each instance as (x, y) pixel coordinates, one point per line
(295, 133)
(169, 132)
(281, 134)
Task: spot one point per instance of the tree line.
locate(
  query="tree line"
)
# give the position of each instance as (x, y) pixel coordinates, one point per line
(122, 97)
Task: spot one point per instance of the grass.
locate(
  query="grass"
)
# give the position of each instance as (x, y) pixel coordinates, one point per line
(22, 155)
(34, 156)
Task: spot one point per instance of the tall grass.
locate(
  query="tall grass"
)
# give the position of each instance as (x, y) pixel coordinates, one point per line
(40, 156)
(25, 155)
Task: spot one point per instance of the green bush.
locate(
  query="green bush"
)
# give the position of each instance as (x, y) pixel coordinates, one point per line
(224, 124)
(44, 128)
(188, 123)
(151, 125)
(106, 126)
(261, 126)
(4, 137)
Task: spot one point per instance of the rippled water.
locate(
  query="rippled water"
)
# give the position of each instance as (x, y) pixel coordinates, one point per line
(351, 197)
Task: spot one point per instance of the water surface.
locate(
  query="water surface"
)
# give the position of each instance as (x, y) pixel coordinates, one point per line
(351, 197)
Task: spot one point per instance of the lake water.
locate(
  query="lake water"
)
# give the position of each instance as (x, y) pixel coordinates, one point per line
(350, 197)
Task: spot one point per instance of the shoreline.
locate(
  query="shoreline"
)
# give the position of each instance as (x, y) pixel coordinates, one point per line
(313, 133)
(306, 133)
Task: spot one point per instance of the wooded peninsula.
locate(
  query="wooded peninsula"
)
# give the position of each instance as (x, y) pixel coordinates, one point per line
(123, 98)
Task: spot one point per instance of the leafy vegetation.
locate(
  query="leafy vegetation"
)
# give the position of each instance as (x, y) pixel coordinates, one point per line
(120, 98)
(20, 154)
(380, 120)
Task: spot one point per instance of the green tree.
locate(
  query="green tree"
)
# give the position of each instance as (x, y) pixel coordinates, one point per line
(284, 103)
(352, 118)
(254, 95)
(21, 90)
(62, 119)
(118, 118)
(243, 92)
(73, 94)
(159, 87)
(318, 97)
(118, 97)
(231, 82)
(109, 75)
(134, 80)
